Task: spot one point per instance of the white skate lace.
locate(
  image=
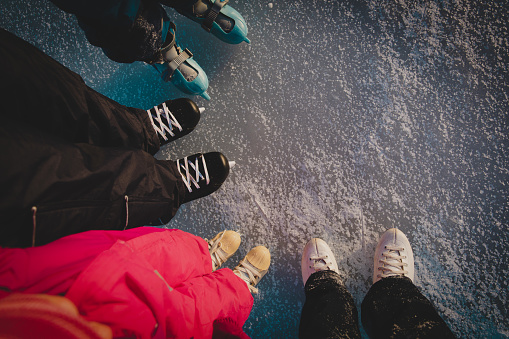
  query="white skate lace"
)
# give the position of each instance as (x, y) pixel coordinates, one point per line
(249, 274)
(217, 254)
(185, 166)
(321, 263)
(163, 128)
(392, 262)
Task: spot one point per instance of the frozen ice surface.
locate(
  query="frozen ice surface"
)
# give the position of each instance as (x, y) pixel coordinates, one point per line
(345, 118)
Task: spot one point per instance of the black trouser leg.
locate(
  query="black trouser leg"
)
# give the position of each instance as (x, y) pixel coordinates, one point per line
(141, 41)
(38, 91)
(77, 187)
(73, 154)
(329, 310)
(395, 308)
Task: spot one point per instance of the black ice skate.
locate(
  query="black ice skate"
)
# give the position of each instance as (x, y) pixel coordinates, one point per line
(174, 118)
(203, 174)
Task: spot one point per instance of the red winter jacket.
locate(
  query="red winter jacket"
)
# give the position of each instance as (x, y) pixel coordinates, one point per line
(147, 282)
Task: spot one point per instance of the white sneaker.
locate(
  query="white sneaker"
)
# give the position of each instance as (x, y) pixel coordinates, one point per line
(222, 247)
(393, 256)
(317, 256)
(253, 267)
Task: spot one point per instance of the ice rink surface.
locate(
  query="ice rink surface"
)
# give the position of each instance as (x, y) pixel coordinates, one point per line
(345, 118)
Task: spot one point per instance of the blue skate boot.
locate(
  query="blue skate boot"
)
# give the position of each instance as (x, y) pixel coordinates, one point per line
(177, 66)
(215, 17)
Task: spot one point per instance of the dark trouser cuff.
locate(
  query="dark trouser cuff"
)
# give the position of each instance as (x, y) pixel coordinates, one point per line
(394, 307)
(329, 310)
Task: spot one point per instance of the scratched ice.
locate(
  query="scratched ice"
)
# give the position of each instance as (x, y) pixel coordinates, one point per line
(344, 119)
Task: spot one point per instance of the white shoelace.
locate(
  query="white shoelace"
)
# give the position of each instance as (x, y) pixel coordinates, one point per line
(250, 274)
(217, 254)
(163, 128)
(186, 165)
(392, 262)
(321, 263)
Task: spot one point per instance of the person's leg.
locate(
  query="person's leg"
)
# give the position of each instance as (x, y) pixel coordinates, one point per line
(394, 307)
(52, 188)
(198, 302)
(329, 310)
(140, 41)
(179, 256)
(139, 31)
(198, 294)
(126, 30)
(222, 297)
(43, 269)
(40, 92)
(165, 275)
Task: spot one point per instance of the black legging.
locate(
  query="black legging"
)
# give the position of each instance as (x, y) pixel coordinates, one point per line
(393, 308)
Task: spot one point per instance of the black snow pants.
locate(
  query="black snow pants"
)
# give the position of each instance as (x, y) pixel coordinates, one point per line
(72, 159)
(393, 308)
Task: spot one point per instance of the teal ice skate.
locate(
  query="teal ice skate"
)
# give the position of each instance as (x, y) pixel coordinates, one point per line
(178, 67)
(217, 18)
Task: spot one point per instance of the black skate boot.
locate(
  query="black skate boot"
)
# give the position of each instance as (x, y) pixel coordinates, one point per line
(174, 118)
(203, 174)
